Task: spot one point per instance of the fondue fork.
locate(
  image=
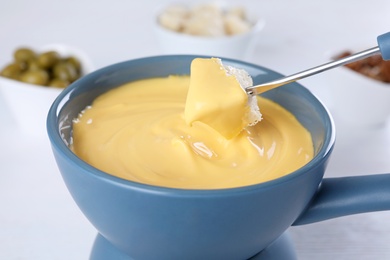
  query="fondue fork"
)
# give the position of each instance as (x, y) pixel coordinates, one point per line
(383, 48)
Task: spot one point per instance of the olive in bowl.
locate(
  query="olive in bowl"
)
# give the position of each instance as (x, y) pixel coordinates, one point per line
(34, 77)
(46, 68)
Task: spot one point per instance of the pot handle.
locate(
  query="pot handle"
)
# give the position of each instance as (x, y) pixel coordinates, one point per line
(337, 197)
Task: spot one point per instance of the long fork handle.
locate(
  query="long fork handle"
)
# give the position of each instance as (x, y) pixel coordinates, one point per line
(383, 48)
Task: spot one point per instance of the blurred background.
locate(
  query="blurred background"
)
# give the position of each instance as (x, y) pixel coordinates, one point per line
(39, 220)
(296, 35)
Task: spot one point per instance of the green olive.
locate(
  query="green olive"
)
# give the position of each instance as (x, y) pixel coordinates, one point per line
(23, 65)
(24, 54)
(46, 69)
(37, 77)
(76, 63)
(58, 83)
(33, 65)
(65, 71)
(11, 71)
(48, 59)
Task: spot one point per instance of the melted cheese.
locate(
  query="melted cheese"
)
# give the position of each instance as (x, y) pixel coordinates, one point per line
(138, 132)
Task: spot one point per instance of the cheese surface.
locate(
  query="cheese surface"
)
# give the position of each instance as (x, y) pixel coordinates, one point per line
(138, 132)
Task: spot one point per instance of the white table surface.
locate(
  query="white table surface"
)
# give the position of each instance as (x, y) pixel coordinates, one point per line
(38, 218)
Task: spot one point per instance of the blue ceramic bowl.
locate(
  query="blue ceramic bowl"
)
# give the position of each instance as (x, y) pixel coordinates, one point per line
(149, 222)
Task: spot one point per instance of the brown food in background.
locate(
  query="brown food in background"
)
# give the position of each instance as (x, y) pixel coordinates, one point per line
(374, 66)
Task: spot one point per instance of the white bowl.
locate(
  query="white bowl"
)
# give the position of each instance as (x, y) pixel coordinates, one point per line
(238, 46)
(29, 104)
(356, 99)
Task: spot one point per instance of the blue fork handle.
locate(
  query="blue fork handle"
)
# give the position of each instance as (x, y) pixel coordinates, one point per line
(384, 45)
(383, 48)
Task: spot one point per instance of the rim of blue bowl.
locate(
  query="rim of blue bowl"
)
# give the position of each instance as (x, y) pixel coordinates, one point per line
(59, 144)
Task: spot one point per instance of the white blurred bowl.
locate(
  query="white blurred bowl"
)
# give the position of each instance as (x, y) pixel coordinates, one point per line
(238, 46)
(357, 100)
(29, 104)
